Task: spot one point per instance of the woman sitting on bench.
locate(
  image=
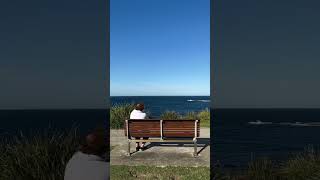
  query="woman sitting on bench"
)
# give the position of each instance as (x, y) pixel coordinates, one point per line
(138, 113)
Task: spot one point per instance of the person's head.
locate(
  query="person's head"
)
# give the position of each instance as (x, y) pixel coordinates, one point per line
(95, 143)
(139, 106)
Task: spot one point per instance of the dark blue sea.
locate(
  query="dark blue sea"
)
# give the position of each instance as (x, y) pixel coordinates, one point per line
(244, 134)
(30, 122)
(155, 105)
(239, 135)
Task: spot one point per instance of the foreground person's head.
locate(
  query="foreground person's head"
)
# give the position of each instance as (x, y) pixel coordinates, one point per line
(139, 106)
(95, 143)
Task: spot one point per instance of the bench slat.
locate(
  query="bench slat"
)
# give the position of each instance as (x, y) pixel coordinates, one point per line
(171, 128)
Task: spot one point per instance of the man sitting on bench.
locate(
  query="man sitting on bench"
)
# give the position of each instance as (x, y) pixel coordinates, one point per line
(138, 113)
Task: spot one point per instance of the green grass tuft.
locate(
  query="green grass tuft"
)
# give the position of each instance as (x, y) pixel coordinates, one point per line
(303, 166)
(262, 169)
(118, 114)
(204, 117)
(120, 172)
(191, 115)
(41, 157)
(170, 115)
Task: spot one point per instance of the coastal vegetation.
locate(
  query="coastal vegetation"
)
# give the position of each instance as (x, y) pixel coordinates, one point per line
(170, 115)
(40, 156)
(120, 112)
(300, 166)
(119, 172)
(44, 156)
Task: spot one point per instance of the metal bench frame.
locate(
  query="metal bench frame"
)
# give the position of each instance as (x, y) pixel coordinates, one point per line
(161, 139)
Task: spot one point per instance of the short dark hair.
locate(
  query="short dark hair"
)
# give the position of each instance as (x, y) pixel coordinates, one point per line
(95, 143)
(139, 106)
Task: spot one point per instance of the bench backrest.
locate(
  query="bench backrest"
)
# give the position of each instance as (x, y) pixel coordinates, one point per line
(162, 128)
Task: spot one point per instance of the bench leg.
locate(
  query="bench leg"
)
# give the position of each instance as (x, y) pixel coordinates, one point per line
(195, 152)
(128, 153)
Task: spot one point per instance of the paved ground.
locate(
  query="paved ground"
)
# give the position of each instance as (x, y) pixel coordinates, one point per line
(160, 154)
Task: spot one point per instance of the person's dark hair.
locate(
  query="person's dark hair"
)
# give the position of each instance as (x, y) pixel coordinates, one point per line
(139, 106)
(95, 143)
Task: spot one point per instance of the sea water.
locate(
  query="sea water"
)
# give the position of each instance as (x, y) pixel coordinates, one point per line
(239, 135)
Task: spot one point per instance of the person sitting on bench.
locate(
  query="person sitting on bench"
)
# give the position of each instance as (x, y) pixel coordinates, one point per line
(90, 161)
(138, 113)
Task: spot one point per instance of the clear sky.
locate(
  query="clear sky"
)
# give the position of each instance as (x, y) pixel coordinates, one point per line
(266, 53)
(160, 47)
(52, 54)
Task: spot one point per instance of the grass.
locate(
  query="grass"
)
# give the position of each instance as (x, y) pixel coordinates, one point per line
(305, 165)
(41, 157)
(262, 169)
(120, 112)
(44, 156)
(191, 115)
(301, 166)
(170, 115)
(120, 172)
(204, 117)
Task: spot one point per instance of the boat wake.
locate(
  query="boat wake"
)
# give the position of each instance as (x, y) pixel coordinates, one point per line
(258, 122)
(200, 100)
(310, 124)
(303, 124)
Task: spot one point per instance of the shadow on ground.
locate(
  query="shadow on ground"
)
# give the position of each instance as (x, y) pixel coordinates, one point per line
(160, 154)
(201, 143)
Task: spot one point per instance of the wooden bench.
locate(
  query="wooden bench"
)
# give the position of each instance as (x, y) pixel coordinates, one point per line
(158, 130)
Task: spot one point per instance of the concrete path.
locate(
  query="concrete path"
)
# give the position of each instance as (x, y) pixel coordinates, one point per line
(160, 154)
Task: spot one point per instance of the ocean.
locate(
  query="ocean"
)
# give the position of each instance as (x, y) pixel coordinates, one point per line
(29, 122)
(239, 135)
(155, 105)
(244, 134)
(33, 121)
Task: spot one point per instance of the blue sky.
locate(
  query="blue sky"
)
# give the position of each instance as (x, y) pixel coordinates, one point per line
(53, 54)
(266, 53)
(159, 47)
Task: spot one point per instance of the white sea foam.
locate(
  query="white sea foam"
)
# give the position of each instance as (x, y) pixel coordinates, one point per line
(309, 124)
(302, 124)
(258, 122)
(204, 100)
(200, 100)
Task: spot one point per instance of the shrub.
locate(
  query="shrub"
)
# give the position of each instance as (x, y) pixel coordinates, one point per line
(41, 157)
(305, 165)
(219, 174)
(204, 117)
(118, 114)
(146, 172)
(301, 166)
(262, 169)
(191, 115)
(170, 115)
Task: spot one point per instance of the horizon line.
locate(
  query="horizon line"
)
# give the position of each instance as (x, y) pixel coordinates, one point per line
(9, 109)
(154, 95)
